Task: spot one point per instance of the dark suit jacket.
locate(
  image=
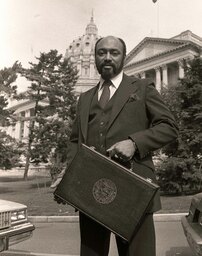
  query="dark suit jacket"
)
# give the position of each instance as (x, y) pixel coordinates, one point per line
(138, 113)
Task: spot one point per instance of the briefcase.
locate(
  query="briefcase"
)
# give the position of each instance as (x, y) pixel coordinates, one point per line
(107, 192)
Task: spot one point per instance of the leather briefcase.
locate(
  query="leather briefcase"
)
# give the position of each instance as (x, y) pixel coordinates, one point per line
(106, 192)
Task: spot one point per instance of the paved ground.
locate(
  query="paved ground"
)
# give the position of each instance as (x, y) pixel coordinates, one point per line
(62, 238)
(37, 195)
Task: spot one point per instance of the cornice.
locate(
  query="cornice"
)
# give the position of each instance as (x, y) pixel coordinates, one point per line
(24, 103)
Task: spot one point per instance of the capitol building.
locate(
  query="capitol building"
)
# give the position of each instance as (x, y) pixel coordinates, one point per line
(81, 54)
(161, 59)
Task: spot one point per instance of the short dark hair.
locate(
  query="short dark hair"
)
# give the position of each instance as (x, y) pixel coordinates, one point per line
(121, 40)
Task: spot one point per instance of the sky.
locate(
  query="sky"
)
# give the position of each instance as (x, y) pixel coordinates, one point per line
(28, 27)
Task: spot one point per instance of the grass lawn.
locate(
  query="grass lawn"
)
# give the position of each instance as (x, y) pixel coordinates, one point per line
(37, 195)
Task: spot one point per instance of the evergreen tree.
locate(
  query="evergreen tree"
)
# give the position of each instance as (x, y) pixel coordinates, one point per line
(52, 89)
(9, 147)
(183, 167)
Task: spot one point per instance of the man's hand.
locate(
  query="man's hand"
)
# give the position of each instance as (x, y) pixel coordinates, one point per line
(58, 179)
(59, 200)
(123, 150)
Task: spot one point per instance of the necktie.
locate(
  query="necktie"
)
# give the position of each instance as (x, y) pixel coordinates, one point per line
(105, 96)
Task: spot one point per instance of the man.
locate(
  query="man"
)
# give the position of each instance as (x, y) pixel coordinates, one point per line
(123, 117)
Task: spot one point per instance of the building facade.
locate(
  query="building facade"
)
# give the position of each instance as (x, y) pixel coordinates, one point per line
(24, 112)
(160, 59)
(163, 59)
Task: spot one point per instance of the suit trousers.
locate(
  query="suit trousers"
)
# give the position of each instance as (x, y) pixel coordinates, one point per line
(95, 239)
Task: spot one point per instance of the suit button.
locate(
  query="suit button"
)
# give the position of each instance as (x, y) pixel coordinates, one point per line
(101, 134)
(101, 123)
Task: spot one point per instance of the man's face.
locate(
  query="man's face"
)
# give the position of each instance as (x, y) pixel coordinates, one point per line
(109, 57)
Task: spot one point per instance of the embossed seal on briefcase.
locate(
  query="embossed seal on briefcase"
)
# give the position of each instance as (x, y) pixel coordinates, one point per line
(98, 187)
(104, 191)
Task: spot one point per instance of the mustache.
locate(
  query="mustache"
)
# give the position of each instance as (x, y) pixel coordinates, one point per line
(108, 64)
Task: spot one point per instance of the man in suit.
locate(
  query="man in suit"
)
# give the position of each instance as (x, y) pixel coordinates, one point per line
(123, 117)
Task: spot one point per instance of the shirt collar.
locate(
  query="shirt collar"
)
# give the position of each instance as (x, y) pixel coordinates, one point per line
(115, 80)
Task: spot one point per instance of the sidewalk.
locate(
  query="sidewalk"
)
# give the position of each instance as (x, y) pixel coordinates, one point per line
(158, 217)
(63, 239)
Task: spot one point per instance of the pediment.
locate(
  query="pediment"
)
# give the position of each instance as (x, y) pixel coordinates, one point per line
(150, 47)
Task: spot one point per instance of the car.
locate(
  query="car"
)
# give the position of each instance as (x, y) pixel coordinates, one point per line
(192, 225)
(14, 224)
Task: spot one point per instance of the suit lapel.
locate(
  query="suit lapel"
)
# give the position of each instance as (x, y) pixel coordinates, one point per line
(85, 110)
(126, 88)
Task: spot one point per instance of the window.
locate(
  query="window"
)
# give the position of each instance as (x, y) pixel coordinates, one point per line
(32, 112)
(13, 128)
(22, 114)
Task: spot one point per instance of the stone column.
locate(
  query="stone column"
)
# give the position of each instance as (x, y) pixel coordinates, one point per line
(17, 130)
(26, 124)
(79, 67)
(165, 74)
(158, 78)
(181, 68)
(92, 67)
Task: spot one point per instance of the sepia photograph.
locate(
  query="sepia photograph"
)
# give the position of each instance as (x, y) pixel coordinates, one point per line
(101, 128)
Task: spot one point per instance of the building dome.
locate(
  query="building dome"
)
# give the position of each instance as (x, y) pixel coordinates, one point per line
(85, 44)
(81, 54)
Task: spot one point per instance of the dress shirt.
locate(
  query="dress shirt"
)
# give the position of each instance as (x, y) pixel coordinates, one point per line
(113, 87)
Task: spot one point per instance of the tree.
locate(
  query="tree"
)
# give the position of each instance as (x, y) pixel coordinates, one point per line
(10, 151)
(182, 168)
(9, 147)
(52, 82)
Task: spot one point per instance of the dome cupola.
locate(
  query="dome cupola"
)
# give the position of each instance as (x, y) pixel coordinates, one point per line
(91, 28)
